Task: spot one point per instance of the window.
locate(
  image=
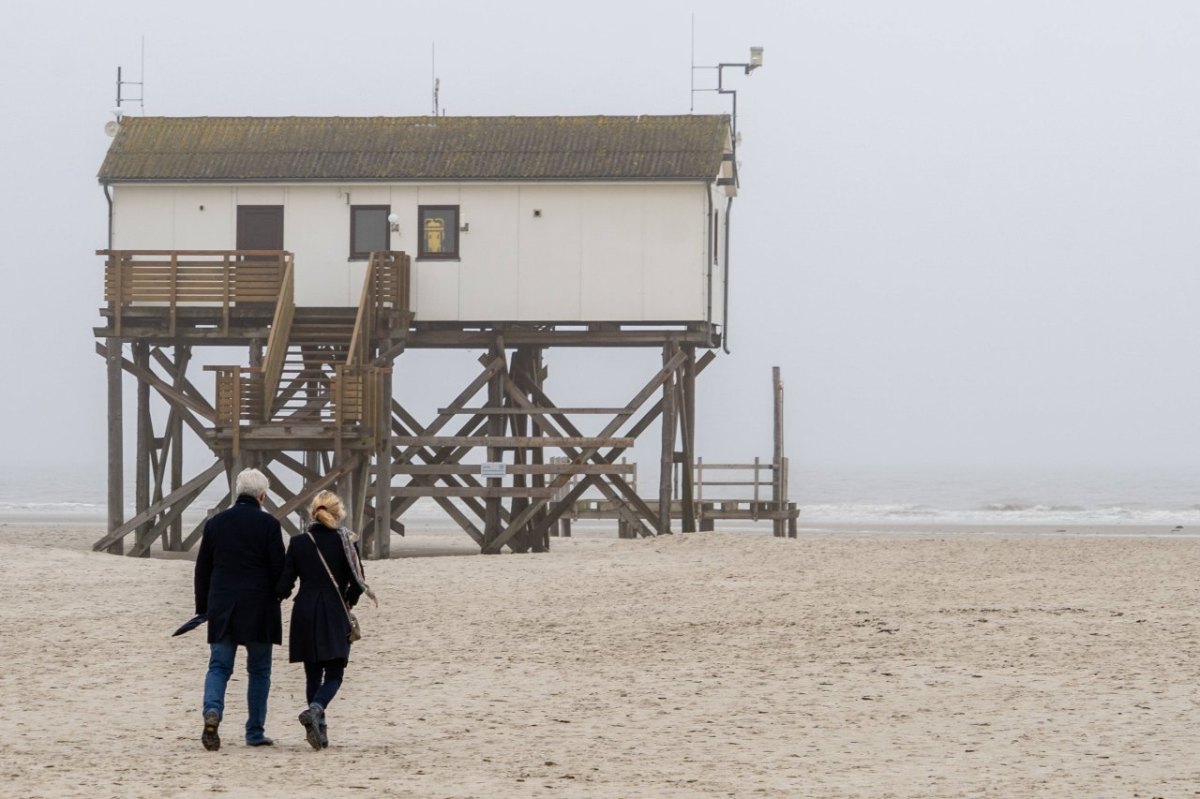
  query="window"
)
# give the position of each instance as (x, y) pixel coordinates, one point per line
(438, 229)
(369, 231)
(259, 227)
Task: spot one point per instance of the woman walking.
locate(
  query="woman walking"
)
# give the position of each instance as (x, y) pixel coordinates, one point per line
(326, 560)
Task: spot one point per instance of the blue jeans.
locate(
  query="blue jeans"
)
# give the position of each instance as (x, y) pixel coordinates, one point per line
(258, 667)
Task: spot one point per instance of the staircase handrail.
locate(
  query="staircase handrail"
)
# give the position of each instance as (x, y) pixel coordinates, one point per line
(364, 320)
(278, 339)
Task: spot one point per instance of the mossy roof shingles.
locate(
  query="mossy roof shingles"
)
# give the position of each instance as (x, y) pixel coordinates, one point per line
(416, 148)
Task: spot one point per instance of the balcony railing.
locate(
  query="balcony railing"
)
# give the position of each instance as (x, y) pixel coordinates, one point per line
(197, 278)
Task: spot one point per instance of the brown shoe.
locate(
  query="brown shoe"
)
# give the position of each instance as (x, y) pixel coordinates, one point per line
(210, 738)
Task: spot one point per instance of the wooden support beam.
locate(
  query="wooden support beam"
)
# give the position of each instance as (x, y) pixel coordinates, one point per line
(486, 492)
(564, 504)
(196, 484)
(166, 391)
(116, 471)
(310, 490)
(495, 428)
(145, 436)
(381, 533)
(513, 442)
(629, 515)
(169, 516)
(511, 411)
(525, 516)
(667, 459)
(198, 530)
(519, 468)
(178, 370)
(687, 435)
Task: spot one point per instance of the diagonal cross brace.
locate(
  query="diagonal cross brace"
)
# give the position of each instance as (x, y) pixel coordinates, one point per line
(535, 506)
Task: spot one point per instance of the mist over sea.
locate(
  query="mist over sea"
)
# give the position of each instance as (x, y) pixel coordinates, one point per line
(826, 495)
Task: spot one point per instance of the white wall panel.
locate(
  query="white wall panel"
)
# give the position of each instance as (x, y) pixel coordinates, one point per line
(143, 218)
(612, 251)
(674, 252)
(490, 250)
(550, 253)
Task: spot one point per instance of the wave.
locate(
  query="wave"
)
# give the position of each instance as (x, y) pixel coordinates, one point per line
(1002, 513)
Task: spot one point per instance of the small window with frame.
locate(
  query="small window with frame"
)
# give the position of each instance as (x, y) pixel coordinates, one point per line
(369, 230)
(438, 231)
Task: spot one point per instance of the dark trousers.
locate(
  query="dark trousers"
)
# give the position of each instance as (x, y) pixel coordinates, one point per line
(322, 680)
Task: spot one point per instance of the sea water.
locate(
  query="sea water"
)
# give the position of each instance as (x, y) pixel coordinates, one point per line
(952, 496)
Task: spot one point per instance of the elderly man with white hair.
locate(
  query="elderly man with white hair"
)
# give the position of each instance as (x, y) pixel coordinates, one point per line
(240, 560)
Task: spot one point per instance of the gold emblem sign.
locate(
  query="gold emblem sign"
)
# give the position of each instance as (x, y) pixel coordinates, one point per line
(435, 234)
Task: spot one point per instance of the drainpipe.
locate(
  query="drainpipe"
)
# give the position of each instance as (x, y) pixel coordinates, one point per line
(710, 251)
(725, 320)
(108, 197)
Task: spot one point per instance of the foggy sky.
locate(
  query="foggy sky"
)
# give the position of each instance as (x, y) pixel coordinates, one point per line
(967, 232)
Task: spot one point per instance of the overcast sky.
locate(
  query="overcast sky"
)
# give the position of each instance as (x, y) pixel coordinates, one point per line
(968, 231)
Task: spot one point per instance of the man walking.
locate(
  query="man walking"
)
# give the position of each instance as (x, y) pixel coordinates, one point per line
(240, 560)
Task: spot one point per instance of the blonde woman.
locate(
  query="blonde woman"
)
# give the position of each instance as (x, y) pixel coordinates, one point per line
(326, 560)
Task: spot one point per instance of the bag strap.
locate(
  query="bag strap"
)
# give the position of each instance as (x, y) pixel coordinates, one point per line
(328, 571)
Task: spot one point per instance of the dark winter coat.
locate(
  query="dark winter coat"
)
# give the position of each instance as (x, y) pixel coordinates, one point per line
(237, 569)
(320, 630)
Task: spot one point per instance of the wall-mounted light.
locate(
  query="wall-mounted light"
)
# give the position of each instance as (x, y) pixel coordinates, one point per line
(394, 223)
(755, 59)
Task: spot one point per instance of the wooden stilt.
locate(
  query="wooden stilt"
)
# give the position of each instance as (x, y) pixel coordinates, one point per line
(491, 526)
(145, 436)
(778, 486)
(382, 527)
(669, 420)
(116, 488)
(687, 435)
(175, 431)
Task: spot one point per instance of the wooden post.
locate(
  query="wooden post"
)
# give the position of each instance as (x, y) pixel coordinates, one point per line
(145, 437)
(382, 535)
(495, 426)
(116, 487)
(687, 423)
(778, 478)
(175, 535)
(669, 420)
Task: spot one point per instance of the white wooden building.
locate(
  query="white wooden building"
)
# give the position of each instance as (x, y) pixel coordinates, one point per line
(326, 248)
(555, 219)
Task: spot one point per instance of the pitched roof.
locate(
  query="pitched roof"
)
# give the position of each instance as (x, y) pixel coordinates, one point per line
(221, 149)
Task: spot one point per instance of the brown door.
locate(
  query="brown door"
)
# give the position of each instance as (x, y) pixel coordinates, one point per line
(260, 227)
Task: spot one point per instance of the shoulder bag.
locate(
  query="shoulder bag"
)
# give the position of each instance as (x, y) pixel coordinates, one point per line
(355, 630)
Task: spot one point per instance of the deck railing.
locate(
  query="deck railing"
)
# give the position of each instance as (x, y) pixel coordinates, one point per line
(386, 286)
(178, 278)
(278, 340)
(347, 401)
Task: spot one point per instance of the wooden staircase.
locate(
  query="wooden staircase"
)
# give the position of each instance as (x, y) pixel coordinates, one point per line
(318, 385)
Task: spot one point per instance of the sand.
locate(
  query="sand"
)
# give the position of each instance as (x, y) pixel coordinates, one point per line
(837, 665)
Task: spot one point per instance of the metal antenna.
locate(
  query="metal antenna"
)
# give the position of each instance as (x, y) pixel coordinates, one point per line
(119, 109)
(692, 106)
(433, 74)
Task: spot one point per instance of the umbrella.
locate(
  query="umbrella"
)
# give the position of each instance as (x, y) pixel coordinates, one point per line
(191, 624)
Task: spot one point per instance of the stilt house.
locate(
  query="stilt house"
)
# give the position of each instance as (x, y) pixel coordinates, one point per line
(321, 249)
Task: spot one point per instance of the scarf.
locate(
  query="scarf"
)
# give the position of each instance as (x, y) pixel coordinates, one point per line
(356, 568)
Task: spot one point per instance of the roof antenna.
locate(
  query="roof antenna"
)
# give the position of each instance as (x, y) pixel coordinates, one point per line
(112, 126)
(433, 73)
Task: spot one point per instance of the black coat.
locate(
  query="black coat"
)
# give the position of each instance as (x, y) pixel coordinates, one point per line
(240, 560)
(320, 630)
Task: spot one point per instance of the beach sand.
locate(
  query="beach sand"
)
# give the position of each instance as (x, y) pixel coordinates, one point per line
(852, 664)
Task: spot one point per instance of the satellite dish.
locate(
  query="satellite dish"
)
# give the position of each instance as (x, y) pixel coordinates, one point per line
(111, 127)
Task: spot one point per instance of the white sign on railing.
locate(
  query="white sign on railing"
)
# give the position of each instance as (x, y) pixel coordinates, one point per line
(493, 470)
